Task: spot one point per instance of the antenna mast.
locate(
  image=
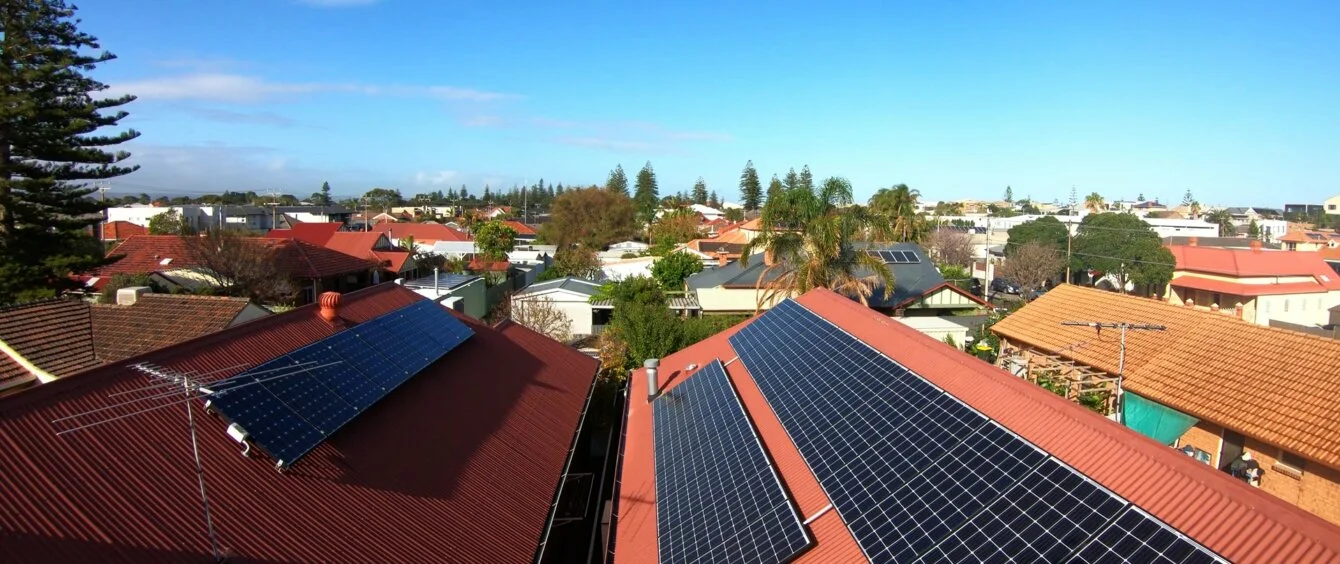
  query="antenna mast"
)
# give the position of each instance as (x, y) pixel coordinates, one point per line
(1121, 356)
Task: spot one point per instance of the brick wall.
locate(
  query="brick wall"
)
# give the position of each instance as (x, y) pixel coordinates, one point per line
(1316, 489)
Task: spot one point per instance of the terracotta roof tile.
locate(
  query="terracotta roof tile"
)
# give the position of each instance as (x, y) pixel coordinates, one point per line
(520, 228)
(314, 233)
(300, 259)
(157, 321)
(1263, 382)
(461, 463)
(1247, 263)
(56, 335)
(118, 230)
(148, 253)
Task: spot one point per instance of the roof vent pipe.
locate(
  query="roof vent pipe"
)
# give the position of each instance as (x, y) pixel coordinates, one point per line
(436, 293)
(651, 365)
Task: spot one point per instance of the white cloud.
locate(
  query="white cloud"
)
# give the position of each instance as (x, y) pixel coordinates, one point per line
(242, 118)
(438, 178)
(237, 88)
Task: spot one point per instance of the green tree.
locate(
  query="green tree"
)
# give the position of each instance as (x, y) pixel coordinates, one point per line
(713, 201)
(806, 179)
(50, 123)
(384, 198)
(1125, 247)
(1224, 220)
(168, 223)
(700, 192)
(896, 217)
(617, 181)
(734, 214)
(808, 235)
(1009, 194)
(591, 217)
(775, 188)
(646, 194)
(791, 181)
(673, 269)
(325, 193)
(494, 239)
(1187, 198)
(1045, 230)
(751, 191)
(1253, 230)
(1094, 202)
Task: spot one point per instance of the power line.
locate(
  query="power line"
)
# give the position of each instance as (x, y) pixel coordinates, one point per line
(1121, 355)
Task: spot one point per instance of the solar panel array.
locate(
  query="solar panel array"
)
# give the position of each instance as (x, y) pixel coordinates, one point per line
(292, 403)
(896, 257)
(917, 475)
(718, 497)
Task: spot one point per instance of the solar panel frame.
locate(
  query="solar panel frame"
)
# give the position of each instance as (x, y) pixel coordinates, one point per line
(718, 495)
(1137, 536)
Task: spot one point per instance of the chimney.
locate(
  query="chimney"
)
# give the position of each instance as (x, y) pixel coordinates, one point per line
(129, 295)
(436, 292)
(722, 258)
(651, 365)
(1237, 310)
(1190, 303)
(330, 306)
(1192, 241)
(1256, 246)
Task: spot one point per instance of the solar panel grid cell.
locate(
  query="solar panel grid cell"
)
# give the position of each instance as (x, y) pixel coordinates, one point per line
(717, 496)
(310, 397)
(1137, 537)
(344, 379)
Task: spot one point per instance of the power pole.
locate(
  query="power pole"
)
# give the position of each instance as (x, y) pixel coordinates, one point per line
(103, 186)
(1121, 356)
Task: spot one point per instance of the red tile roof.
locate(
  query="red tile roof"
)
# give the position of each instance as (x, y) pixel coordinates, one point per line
(1307, 236)
(1240, 289)
(294, 258)
(1233, 519)
(142, 254)
(299, 259)
(367, 244)
(1247, 263)
(157, 321)
(427, 233)
(314, 233)
(118, 230)
(480, 265)
(55, 335)
(459, 464)
(520, 228)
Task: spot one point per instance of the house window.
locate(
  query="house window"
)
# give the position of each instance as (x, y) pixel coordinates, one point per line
(1330, 206)
(1286, 306)
(1290, 461)
(1200, 455)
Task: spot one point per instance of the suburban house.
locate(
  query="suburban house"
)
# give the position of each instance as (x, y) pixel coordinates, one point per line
(50, 339)
(839, 435)
(1307, 240)
(424, 235)
(918, 290)
(494, 212)
(121, 230)
(169, 260)
(472, 436)
(373, 246)
(1270, 285)
(571, 296)
(524, 233)
(465, 293)
(1332, 205)
(1208, 383)
(622, 268)
(618, 250)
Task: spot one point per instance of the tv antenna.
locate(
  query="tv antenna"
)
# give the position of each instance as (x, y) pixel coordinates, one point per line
(169, 388)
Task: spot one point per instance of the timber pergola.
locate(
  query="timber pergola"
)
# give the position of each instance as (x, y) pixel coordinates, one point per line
(1074, 378)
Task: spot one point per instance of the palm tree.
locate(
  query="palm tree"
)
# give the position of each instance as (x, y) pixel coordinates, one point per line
(1222, 218)
(807, 235)
(1094, 202)
(896, 215)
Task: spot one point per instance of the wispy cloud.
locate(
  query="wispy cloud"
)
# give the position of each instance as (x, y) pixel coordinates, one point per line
(244, 89)
(337, 3)
(243, 118)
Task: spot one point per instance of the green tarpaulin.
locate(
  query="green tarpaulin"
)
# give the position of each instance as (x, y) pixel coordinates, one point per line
(1155, 420)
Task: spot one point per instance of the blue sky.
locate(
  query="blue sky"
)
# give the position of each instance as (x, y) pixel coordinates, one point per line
(1236, 101)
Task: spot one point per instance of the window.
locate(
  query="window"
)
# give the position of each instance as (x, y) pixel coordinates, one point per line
(1330, 206)
(1290, 461)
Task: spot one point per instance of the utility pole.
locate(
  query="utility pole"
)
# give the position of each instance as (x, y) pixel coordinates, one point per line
(365, 214)
(525, 201)
(1121, 356)
(103, 186)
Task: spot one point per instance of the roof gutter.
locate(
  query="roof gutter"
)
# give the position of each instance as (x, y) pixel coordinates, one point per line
(41, 375)
(567, 466)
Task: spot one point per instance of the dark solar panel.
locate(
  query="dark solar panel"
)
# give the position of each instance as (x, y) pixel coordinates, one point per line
(289, 405)
(718, 497)
(912, 471)
(1138, 537)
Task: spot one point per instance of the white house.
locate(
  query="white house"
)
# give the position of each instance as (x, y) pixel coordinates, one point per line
(572, 297)
(619, 269)
(709, 213)
(1332, 205)
(618, 250)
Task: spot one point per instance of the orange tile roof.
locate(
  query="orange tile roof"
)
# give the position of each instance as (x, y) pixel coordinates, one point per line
(1266, 383)
(118, 230)
(1235, 520)
(1308, 236)
(314, 233)
(1246, 263)
(520, 228)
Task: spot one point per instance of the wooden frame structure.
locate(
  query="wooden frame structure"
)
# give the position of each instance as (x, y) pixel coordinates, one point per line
(1065, 377)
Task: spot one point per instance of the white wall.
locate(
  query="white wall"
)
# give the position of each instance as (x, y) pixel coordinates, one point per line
(1303, 309)
(1332, 205)
(573, 305)
(628, 268)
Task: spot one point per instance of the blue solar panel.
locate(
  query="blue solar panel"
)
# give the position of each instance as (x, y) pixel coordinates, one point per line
(912, 471)
(718, 497)
(1138, 537)
(289, 405)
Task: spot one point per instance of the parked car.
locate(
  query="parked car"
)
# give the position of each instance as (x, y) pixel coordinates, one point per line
(1004, 285)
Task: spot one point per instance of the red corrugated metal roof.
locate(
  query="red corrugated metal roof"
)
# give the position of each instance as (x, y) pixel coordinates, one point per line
(1231, 518)
(461, 464)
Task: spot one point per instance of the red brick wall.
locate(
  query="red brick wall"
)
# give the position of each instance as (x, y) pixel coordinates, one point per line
(1204, 436)
(1316, 489)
